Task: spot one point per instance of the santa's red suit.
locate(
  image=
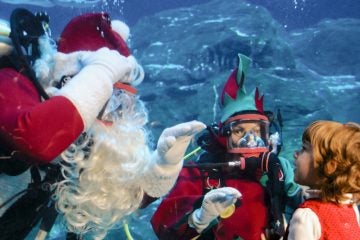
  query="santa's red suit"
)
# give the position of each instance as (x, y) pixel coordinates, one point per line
(33, 128)
(25, 115)
(107, 172)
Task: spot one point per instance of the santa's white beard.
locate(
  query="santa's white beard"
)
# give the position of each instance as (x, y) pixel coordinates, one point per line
(103, 187)
(103, 172)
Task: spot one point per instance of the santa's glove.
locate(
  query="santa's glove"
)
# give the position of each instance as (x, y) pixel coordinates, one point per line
(167, 160)
(215, 202)
(92, 86)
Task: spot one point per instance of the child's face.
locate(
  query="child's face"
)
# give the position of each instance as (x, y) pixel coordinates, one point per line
(304, 166)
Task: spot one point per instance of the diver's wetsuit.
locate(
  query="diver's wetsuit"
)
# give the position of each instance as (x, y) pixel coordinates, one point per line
(249, 220)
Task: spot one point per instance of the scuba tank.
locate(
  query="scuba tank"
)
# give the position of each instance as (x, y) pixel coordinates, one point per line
(9, 163)
(6, 46)
(19, 48)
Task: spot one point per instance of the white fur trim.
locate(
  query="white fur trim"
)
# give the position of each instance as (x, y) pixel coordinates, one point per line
(88, 91)
(160, 178)
(121, 28)
(68, 64)
(52, 65)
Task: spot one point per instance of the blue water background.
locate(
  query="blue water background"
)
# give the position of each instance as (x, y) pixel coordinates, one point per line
(291, 14)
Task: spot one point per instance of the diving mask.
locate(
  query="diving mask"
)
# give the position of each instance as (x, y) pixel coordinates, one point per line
(247, 134)
(121, 101)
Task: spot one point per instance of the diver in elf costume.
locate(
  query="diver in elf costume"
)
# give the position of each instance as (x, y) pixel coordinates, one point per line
(90, 122)
(220, 196)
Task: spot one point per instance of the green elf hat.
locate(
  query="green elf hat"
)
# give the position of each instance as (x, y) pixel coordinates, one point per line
(234, 98)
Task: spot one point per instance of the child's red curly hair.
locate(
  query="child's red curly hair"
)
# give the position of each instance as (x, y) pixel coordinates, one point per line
(336, 154)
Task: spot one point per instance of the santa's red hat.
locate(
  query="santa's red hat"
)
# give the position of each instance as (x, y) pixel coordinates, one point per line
(92, 31)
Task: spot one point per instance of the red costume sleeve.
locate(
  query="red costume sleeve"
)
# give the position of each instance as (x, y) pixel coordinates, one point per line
(40, 130)
(169, 220)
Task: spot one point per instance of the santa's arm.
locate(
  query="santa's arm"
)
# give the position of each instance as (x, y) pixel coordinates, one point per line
(93, 85)
(38, 130)
(42, 130)
(166, 161)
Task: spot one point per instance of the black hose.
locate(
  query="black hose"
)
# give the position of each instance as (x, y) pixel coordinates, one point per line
(212, 165)
(13, 197)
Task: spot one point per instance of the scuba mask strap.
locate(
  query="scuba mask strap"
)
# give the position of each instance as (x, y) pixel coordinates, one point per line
(246, 117)
(126, 87)
(225, 129)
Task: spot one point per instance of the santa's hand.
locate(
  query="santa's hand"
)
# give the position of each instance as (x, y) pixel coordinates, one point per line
(174, 141)
(110, 63)
(89, 89)
(167, 161)
(215, 202)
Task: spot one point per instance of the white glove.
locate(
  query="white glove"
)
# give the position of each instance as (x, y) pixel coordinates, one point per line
(109, 63)
(167, 159)
(174, 141)
(215, 202)
(93, 85)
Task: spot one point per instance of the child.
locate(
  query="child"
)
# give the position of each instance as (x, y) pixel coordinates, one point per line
(329, 164)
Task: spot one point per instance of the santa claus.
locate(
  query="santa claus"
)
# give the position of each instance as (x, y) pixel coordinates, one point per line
(93, 125)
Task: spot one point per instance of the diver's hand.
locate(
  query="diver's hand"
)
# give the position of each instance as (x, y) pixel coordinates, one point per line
(109, 63)
(174, 141)
(215, 202)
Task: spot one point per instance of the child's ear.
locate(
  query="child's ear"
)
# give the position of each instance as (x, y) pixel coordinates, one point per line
(330, 167)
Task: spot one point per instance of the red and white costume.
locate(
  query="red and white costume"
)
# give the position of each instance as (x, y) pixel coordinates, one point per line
(107, 173)
(315, 220)
(31, 126)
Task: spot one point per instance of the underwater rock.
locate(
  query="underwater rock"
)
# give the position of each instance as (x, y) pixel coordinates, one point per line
(174, 92)
(206, 38)
(330, 47)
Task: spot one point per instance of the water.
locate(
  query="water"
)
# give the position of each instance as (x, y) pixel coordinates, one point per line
(291, 13)
(320, 80)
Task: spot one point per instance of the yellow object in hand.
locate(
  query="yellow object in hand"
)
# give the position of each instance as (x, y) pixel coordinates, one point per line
(228, 211)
